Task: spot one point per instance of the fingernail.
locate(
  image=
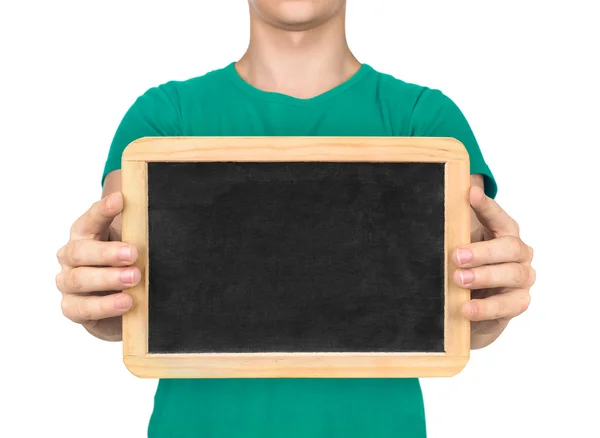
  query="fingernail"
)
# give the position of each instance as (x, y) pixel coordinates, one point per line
(127, 276)
(466, 277)
(112, 199)
(125, 253)
(123, 302)
(464, 256)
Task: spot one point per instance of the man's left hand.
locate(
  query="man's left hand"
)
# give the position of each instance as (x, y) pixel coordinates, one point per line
(496, 266)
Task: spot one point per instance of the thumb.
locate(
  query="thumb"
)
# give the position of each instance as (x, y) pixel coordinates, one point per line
(491, 215)
(96, 221)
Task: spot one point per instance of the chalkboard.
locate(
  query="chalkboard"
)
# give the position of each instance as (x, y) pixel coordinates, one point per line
(275, 257)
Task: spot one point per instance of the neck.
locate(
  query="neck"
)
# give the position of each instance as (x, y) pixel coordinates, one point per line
(301, 64)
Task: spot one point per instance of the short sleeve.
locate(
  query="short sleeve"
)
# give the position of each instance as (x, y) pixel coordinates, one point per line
(154, 114)
(436, 115)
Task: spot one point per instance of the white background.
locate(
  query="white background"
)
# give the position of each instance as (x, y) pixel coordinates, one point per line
(526, 75)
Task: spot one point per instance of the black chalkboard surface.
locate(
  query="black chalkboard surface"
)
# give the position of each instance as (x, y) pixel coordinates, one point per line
(258, 252)
(255, 257)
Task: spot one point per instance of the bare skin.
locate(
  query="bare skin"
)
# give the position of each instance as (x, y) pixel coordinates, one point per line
(299, 48)
(96, 267)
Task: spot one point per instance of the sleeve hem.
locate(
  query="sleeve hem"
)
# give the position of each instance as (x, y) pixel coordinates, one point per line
(107, 170)
(489, 182)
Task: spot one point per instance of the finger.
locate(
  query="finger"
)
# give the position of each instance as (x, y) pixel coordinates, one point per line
(509, 275)
(98, 218)
(506, 305)
(491, 215)
(82, 309)
(91, 279)
(500, 250)
(94, 253)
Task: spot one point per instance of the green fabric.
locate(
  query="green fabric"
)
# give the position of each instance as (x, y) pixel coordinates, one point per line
(221, 103)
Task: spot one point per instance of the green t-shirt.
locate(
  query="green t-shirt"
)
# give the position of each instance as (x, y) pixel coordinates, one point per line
(221, 103)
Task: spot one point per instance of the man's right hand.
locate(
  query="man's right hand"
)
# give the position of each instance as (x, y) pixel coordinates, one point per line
(96, 268)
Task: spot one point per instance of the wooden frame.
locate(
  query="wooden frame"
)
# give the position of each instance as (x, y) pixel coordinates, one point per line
(233, 365)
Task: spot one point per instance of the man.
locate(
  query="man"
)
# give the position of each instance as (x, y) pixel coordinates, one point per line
(297, 78)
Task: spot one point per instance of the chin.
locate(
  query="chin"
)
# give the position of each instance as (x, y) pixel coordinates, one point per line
(297, 14)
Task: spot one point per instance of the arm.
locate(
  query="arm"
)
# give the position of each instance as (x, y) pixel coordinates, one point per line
(96, 267)
(496, 266)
